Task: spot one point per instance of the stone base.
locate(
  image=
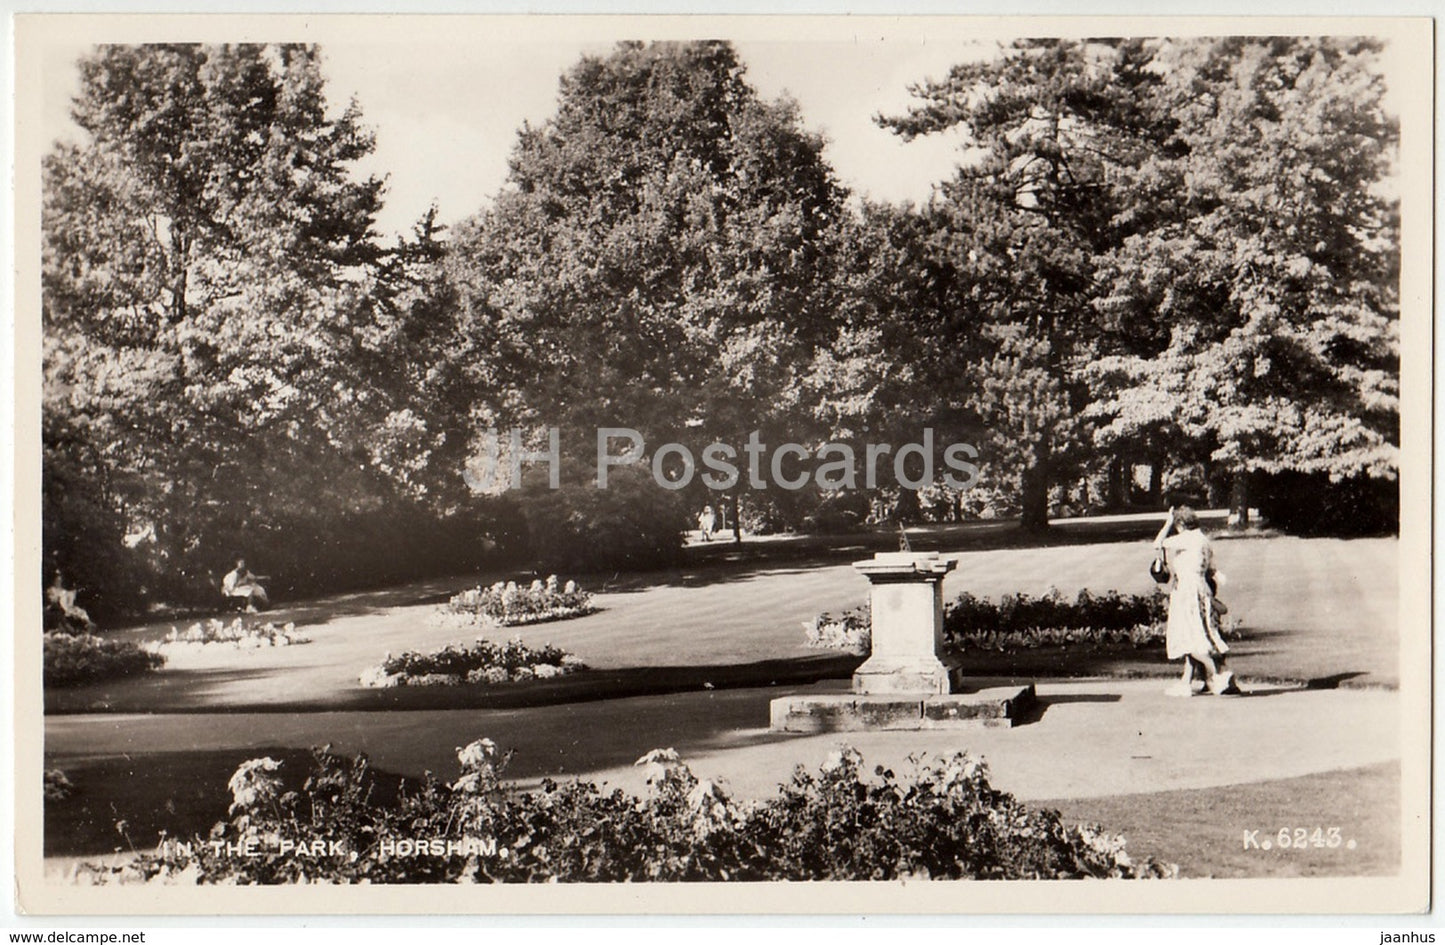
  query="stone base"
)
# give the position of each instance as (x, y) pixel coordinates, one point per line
(881, 676)
(1000, 706)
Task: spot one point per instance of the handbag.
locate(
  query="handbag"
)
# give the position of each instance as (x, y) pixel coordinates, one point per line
(1159, 569)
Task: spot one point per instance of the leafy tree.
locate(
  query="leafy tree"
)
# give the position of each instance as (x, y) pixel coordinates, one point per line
(207, 257)
(660, 258)
(1270, 267)
(1033, 203)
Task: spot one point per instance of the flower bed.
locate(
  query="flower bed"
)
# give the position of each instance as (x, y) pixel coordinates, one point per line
(483, 662)
(57, 785)
(967, 615)
(940, 820)
(850, 630)
(235, 634)
(509, 604)
(1019, 621)
(75, 659)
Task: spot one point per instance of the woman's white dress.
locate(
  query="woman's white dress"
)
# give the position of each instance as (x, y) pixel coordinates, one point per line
(1192, 629)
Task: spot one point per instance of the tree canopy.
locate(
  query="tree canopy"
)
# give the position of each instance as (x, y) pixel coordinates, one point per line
(210, 276)
(660, 258)
(1181, 249)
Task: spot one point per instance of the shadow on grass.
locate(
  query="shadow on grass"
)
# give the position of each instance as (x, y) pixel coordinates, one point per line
(122, 802)
(189, 690)
(720, 562)
(163, 691)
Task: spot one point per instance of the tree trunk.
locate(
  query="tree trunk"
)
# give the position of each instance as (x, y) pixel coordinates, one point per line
(1218, 487)
(734, 505)
(1034, 501)
(906, 506)
(1114, 490)
(1155, 492)
(1239, 500)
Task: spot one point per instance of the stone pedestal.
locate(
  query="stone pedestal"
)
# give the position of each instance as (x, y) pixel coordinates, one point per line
(906, 603)
(904, 684)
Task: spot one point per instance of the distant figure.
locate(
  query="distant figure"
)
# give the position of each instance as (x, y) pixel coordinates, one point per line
(239, 582)
(61, 612)
(1193, 628)
(706, 522)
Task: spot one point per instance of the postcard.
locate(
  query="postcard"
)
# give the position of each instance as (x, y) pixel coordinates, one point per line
(705, 464)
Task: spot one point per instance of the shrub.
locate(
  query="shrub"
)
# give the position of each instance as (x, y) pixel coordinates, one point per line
(1312, 505)
(942, 820)
(483, 662)
(632, 524)
(970, 617)
(75, 659)
(509, 604)
(57, 785)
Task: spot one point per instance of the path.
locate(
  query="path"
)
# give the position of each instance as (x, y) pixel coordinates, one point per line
(1091, 738)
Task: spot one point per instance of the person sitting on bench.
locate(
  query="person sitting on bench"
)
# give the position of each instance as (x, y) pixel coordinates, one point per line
(240, 582)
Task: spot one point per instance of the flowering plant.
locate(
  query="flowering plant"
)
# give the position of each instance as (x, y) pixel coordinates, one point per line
(1021, 622)
(254, 783)
(509, 604)
(850, 630)
(940, 820)
(483, 662)
(234, 634)
(73, 659)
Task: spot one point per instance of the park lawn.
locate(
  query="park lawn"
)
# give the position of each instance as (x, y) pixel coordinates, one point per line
(1320, 611)
(1203, 830)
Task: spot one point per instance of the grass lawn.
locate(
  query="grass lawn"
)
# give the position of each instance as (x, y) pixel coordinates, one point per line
(1317, 610)
(1204, 830)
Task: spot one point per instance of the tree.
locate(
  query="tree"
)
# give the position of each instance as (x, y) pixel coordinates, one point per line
(1033, 203)
(660, 259)
(1271, 265)
(205, 257)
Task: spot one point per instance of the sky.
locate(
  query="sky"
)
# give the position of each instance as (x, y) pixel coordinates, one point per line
(445, 96)
(446, 111)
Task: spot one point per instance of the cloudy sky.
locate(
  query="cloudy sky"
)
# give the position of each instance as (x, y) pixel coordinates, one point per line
(446, 109)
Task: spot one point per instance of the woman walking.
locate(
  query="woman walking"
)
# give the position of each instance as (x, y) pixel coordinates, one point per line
(1193, 628)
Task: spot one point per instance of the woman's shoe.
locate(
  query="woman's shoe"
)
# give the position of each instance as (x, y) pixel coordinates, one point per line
(1226, 685)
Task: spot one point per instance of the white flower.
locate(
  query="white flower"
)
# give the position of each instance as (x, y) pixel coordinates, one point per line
(253, 783)
(478, 753)
(661, 764)
(844, 756)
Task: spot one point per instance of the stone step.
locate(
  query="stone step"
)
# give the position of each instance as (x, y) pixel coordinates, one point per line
(853, 712)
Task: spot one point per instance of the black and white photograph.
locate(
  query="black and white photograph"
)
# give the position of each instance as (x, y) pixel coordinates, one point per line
(780, 464)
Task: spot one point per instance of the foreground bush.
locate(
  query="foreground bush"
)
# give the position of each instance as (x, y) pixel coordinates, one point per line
(483, 662)
(510, 605)
(75, 659)
(941, 820)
